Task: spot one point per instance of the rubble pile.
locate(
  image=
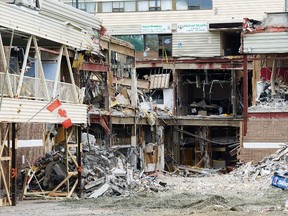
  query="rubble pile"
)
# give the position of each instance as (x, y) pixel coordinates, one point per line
(276, 162)
(104, 173)
(107, 172)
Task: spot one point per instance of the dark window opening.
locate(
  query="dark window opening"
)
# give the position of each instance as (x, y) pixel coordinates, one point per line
(231, 43)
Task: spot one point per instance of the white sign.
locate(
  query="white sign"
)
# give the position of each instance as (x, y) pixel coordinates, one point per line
(192, 27)
(155, 28)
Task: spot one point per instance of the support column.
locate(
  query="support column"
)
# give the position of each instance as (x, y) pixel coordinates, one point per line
(233, 92)
(175, 91)
(14, 170)
(79, 155)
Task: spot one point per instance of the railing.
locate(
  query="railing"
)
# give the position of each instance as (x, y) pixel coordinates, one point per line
(33, 88)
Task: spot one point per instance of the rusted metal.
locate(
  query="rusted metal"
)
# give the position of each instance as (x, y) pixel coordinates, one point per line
(87, 66)
(103, 120)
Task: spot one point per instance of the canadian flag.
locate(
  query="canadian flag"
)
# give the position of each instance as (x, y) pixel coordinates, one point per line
(56, 109)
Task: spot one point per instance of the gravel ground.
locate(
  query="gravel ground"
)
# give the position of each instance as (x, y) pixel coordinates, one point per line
(210, 195)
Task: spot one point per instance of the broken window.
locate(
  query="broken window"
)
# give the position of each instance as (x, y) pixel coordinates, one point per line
(230, 43)
(136, 40)
(165, 46)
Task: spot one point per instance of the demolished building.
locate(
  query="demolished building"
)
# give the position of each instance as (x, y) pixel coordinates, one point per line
(56, 62)
(265, 116)
(189, 53)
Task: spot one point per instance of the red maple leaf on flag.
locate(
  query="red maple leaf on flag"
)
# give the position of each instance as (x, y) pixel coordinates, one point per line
(62, 113)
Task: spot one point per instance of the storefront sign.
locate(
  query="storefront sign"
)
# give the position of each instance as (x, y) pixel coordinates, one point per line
(192, 27)
(155, 28)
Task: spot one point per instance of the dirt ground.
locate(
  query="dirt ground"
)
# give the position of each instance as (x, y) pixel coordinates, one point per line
(209, 195)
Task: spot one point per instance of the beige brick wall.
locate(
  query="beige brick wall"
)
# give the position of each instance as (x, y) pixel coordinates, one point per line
(263, 130)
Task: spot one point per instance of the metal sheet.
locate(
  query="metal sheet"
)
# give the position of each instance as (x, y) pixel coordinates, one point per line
(29, 21)
(196, 44)
(21, 110)
(64, 12)
(273, 42)
(159, 81)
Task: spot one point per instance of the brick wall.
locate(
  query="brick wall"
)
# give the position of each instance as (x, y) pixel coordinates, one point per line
(266, 129)
(30, 131)
(254, 154)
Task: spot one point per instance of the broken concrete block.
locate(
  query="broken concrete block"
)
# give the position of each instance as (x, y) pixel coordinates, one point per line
(94, 183)
(119, 172)
(100, 191)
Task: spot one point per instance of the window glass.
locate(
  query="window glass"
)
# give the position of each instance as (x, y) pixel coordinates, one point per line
(193, 4)
(151, 42)
(155, 3)
(206, 4)
(106, 7)
(166, 4)
(91, 7)
(181, 5)
(118, 6)
(143, 5)
(129, 6)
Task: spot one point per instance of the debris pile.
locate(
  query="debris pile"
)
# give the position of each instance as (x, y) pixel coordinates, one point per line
(104, 173)
(276, 162)
(108, 172)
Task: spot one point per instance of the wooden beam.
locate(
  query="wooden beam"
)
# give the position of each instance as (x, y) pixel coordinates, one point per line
(57, 75)
(41, 68)
(71, 74)
(23, 69)
(6, 66)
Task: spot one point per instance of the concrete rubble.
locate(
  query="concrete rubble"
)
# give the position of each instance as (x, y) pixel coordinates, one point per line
(276, 162)
(104, 173)
(108, 173)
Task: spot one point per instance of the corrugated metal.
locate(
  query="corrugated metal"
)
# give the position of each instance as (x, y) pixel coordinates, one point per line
(273, 42)
(159, 81)
(21, 110)
(31, 22)
(64, 12)
(196, 44)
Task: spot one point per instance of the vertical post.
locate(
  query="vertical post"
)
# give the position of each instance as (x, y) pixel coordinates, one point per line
(14, 171)
(57, 75)
(75, 93)
(24, 66)
(245, 94)
(38, 54)
(233, 92)
(79, 150)
(175, 90)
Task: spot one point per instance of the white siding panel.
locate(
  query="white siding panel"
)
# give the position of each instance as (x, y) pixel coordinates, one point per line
(196, 44)
(20, 110)
(63, 12)
(31, 22)
(273, 42)
(223, 11)
(236, 10)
